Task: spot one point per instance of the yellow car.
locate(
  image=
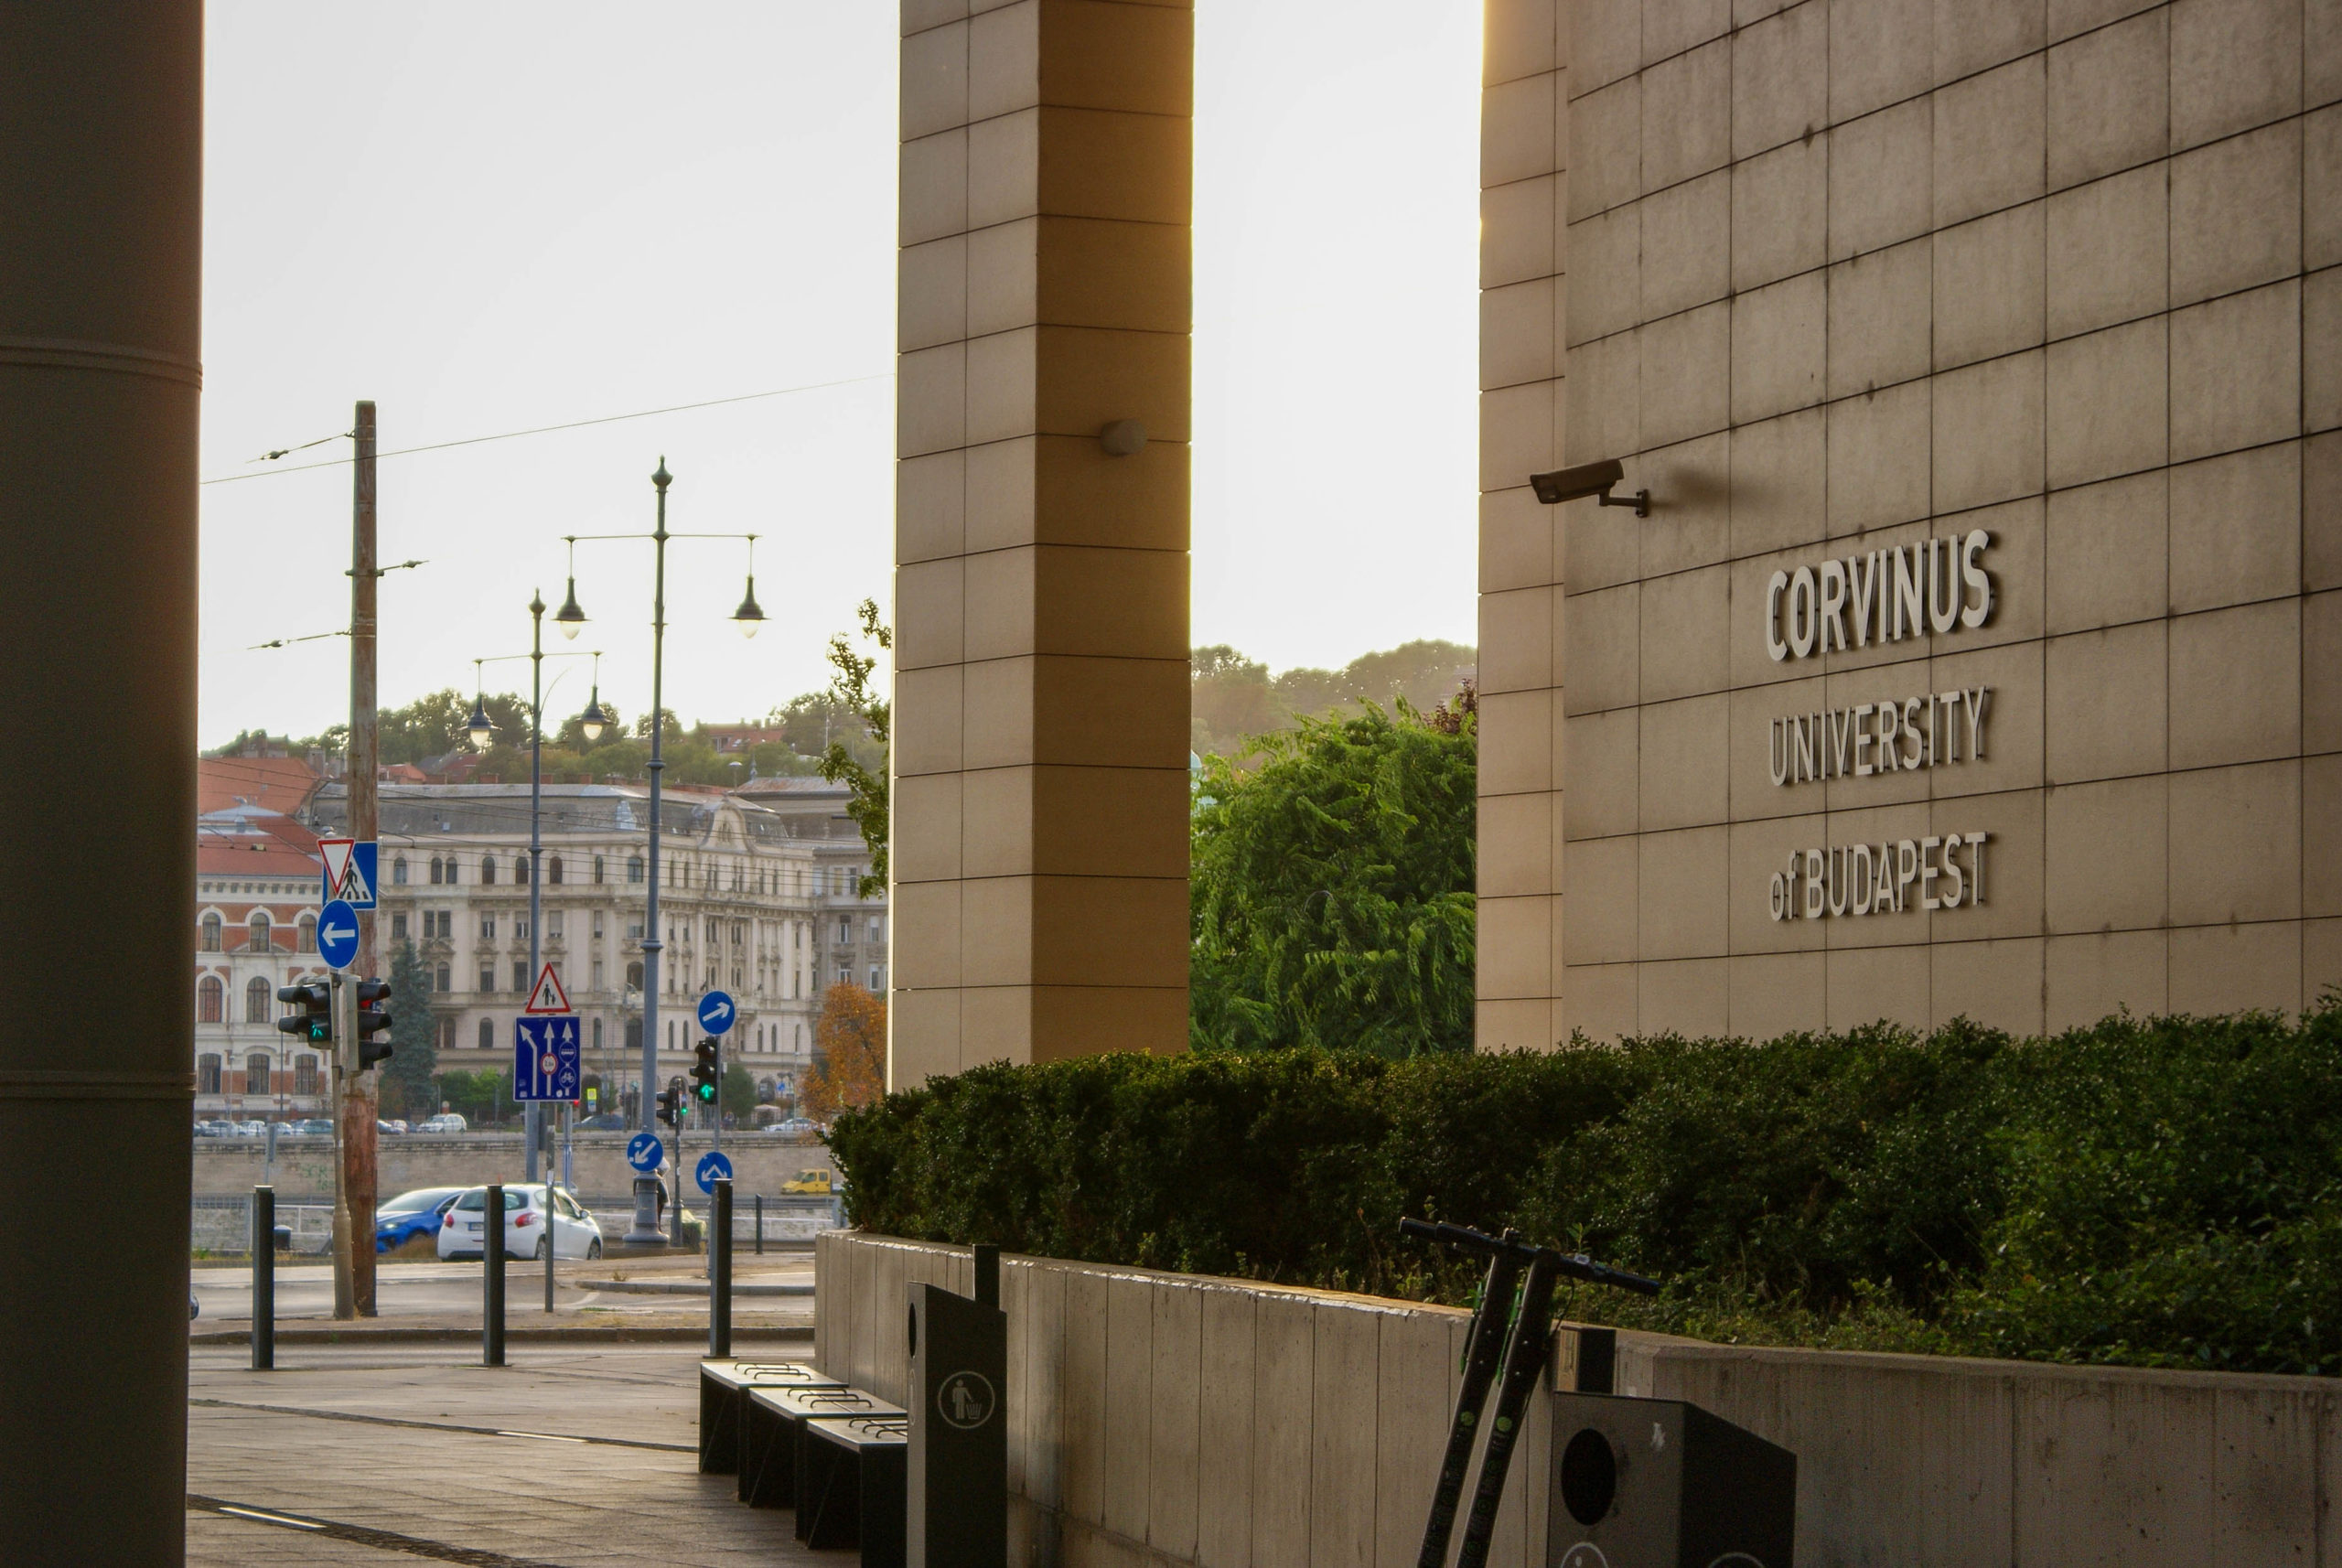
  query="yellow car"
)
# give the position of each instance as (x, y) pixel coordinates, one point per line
(816, 1183)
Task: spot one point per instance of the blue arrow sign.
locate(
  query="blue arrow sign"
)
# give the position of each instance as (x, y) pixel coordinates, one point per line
(715, 1012)
(644, 1151)
(713, 1167)
(546, 1060)
(338, 935)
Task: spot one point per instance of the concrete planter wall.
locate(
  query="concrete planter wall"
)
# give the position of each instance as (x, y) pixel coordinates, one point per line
(1172, 1418)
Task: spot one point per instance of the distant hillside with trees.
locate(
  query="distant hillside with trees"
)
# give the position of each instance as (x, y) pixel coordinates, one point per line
(1236, 697)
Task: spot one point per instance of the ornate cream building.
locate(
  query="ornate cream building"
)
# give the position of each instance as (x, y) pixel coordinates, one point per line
(757, 899)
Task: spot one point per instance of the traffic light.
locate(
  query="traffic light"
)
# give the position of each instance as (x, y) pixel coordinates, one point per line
(314, 1023)
(671, 1104)
(703, 1072)
(373, 1018)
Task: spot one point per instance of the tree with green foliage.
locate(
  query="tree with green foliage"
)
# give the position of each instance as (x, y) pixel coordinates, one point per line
(737, 1093)
(1331, 889)
(1234, 698)
(482, 1097)
(408, 1086)
(854, 689)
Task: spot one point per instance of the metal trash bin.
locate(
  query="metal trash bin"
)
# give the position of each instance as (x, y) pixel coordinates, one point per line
(957, 1484)
(850, 1472)
(723, 1386)
(771, 1424)
(1642, 1483)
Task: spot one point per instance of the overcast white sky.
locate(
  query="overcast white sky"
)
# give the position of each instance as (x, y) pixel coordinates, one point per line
(490, 219)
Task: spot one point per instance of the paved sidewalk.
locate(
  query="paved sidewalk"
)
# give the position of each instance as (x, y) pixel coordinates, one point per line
(380, 1454)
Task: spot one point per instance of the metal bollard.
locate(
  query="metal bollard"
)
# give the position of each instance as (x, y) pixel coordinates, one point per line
(491, 1257)
(719, 1272)
(760, 1225)
(264, 1245)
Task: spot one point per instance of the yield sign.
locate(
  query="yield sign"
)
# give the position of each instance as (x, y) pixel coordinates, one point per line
(348, 870)
(548, 996)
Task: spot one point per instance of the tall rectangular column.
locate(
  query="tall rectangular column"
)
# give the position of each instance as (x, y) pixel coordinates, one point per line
(1040, 790)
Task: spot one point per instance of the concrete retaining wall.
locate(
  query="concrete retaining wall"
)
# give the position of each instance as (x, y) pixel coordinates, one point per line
(1173, 1418)
(760, 1161)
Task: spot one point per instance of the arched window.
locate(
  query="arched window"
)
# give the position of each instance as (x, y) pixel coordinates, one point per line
(305, 933)
(634, 868)
(437, 871)
(519, 871)
(634, 976)
(207, 1073)
(552, 871)
(258, 928)
(452, 877)
(304, 1075)
(256, 1001)
(209, 996)
(446, 1035)
(487, 1034)
(211, 938)
(487, 870)
(398, 872)
(598, 870)
(440, 982)
(256, 1074)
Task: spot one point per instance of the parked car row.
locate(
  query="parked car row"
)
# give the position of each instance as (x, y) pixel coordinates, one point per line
(454, 1215)
(322, 1127)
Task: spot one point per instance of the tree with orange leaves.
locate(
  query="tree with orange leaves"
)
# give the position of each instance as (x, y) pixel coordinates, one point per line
(850, 1065)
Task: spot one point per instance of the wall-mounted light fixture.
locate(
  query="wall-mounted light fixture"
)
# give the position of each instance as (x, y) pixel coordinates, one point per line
(1588, 479)
(1122, 438)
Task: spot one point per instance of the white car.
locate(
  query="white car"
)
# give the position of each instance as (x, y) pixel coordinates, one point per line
(576, 1234)
(445, 1122)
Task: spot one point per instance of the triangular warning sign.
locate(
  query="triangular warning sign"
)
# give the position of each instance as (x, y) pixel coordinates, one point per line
(336, 852)
(548, 996)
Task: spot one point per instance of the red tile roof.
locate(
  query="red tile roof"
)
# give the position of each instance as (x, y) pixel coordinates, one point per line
(276, 783)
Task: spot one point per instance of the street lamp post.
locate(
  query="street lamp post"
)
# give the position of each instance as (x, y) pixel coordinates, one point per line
(646, 1231)
(480, 729)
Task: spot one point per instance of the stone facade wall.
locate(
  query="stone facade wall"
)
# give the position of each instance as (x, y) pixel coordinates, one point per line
(1040, 789)
(1167, 1419)
(1843, 283)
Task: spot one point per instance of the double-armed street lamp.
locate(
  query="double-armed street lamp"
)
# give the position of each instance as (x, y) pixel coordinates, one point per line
(481, 731)
(569, 618)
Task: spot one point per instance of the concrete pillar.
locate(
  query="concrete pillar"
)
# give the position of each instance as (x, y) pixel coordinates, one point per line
(101, 231)
(1039, 839)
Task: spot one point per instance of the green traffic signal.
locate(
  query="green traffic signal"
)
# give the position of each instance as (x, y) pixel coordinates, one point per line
(314, 1023)
(705, 1073)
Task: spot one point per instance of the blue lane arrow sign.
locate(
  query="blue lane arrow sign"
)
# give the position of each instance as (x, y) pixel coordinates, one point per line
(546, 1059)
(715, 1012)
(713, 1167)
(644, 1151)
(338, 935)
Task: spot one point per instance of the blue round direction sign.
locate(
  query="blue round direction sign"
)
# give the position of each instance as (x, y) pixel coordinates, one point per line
(644, 1151)
(338, 934)
(715, 1012)
(713, 1167)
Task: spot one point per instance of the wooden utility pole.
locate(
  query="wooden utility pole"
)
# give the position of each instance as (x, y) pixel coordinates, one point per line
(361, 1097)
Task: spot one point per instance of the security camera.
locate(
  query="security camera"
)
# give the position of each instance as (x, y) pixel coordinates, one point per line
(1588, 479)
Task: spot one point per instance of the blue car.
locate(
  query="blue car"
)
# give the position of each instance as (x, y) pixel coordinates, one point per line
(411, 1215)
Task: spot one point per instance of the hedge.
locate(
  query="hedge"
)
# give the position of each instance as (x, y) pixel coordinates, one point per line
(2164, 1192)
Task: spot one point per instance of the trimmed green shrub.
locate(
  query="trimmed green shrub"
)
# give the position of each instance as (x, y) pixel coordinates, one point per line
(2155, 1192)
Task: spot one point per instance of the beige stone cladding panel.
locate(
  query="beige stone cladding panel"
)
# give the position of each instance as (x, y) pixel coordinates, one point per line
(2064, 272)
(1041, 601)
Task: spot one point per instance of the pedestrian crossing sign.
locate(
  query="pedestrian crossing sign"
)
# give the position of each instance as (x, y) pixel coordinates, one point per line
(546, 995)
(348, 871)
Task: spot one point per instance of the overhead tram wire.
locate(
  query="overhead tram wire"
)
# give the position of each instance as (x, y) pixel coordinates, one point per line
(539, 430)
